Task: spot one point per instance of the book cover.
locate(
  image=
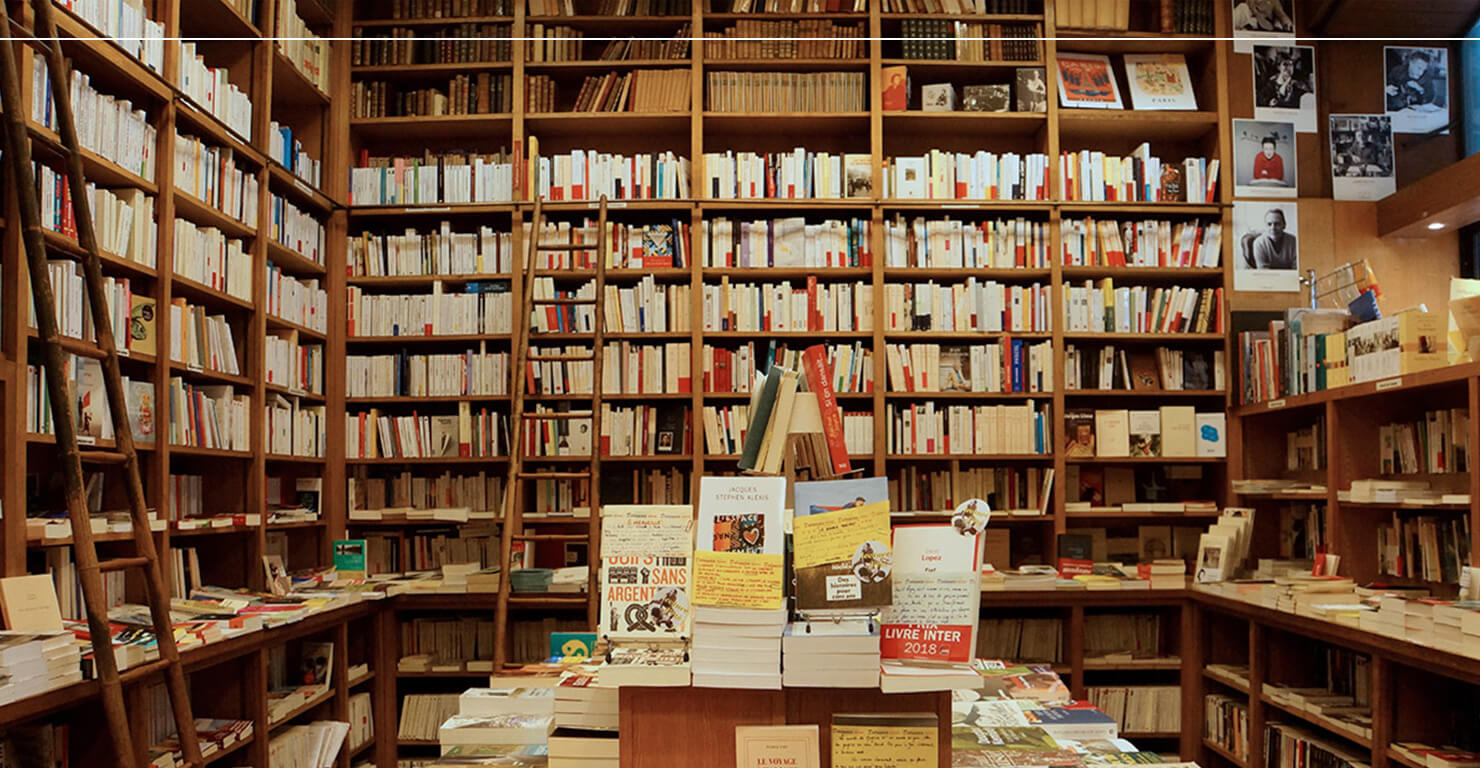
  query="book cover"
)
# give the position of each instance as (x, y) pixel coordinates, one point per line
(819, 382)
(937, 595)
(760, 416)
(777, 746)
(573, 645)
(141, 326)
(141, 410)
(349, 558)
(1086, 80)
(1112, 433)
(895, 739)
(1159, 82)
(646, 577)
(1211, 435)
(1144, 372)
(29, 603)
(1178, 431)
(740, 541)
(896, 94)
(938, 97)
(1079, 433)
(1145, 432)
(986, 98)
(842, 557)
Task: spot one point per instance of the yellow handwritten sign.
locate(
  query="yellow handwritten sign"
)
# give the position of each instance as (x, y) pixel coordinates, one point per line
(871, 746)
(737, 579)
(834, 537)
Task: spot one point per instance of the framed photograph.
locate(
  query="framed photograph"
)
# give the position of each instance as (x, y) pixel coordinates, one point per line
(1266, 21)
(1266, 250)
(1159, 81)
(1032, 90)
(1087, 81)
(1362, 157)
(1264, 159)
(1285, 85)
(1416, 88)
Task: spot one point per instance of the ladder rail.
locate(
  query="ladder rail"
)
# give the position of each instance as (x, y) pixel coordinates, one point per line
(593, 493)
(85, 552)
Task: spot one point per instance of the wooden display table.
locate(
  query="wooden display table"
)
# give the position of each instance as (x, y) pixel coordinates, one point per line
(695, 727)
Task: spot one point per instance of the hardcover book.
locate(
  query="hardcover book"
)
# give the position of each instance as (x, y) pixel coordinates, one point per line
(841, 545)
(1086, 80)
(1159, 82)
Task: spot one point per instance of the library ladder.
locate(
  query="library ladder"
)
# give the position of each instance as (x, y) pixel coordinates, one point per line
(525, 469)
(56, 352)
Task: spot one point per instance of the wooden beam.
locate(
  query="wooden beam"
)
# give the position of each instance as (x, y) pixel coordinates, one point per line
(1449, 196)
(1323, 15)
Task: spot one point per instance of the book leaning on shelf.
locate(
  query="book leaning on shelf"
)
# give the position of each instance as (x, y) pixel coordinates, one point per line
(439, 252)
(299, 368)
(850, 366)
(1148, 243)
(405, 374)
(211, 90)
(123, 219)
(485, 308)
(1163, 369)
(725, 429)
(455, 43)
(583, 174)
(804, 39)
(373, 435)
(639, 90)
(1010, 366)
(432, 179)
(789, 242)
(1103, 308)
(1093, 176)
(109, 126)
(1000, 244)
(798, 174)
(674, 48)
(931, 429)
(982, 175)
(970, 306)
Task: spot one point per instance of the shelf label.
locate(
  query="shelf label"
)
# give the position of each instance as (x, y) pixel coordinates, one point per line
(1392, 383)
(1272, 404)
(123, 352)
(958, 205)
(610, 204)
(432, 209)
(86, 440)
(195, 369)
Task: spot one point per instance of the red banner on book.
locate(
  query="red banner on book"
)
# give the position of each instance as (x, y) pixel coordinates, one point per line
(814, 360)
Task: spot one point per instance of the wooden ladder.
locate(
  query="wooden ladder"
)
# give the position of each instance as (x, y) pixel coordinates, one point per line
(519, 475)
(55, 352)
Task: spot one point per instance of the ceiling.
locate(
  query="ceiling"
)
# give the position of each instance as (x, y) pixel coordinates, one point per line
(1391, 19)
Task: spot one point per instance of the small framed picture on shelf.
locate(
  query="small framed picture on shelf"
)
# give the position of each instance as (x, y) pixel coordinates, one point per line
(1285, 85)
(1032, 90)
(1264, 159)
(1159, 82)
(1266, 21)
(1087, 81)
(1416, 88)
(1362, 165)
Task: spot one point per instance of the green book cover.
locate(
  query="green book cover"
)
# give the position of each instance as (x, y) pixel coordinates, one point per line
(573, 645)
(760, 418)
(349, 556)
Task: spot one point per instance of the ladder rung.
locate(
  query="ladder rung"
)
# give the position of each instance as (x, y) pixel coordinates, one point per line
(538, 358)
(567, 247)
(81, 348)
(102, 457)
(556, 415)
(121, 563)
(564, 301)
(550, 537)
(555, 474)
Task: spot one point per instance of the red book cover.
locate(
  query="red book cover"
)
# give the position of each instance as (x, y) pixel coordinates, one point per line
(721, 370)
(814, 360)
(1070, 567)
(814, 316)
(896, 94)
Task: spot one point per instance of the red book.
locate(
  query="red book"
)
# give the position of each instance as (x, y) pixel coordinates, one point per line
(814, 362)
(896, 94)
(1070, 567)
(814, 316)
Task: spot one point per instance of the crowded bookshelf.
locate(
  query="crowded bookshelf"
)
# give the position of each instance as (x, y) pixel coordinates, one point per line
(443, 326)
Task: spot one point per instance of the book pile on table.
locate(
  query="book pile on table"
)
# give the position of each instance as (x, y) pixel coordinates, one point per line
(586, 716)
(34, 662)
(737, 647)
(830, 654)
(1419, 753)
(1027, 577)
(497, 722)
(1023, 682)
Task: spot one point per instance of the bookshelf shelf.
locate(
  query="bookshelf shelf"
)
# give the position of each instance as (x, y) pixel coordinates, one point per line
(1144, 274)
(236, 746)
(293, 459)
(292, 261)
(388, 400)
(193, 209)
(1316, 720)
(1014, 396)
(194, 532)
(960, 273)
(766, 16)
(626, 23)
(1158, 393)
(432, 460)
(207, 375)
(421, 281)
(196, 122)
(1075, 124)
(218, 18)
(220, 453)
(432, 127)
(1104, 41)
(1143, 338)
(428, 340)
(291, 87)
(303, 709)
(789, 273)
(772, 64)
(306, 333)
(1143, 460)
(952, 68)
(407, 71)
(953, 335)
(69, 248)
(94, 166)
(1398, 757)
(198, 292)
(1225, 754)
(106, 50)
(432, 22)
(605, 65)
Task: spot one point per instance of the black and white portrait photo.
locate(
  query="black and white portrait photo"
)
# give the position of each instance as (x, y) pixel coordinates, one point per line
(1416, 88)
(1266, 19)
(1362, 157)
(1285, 85)
(1266, 246)
(1264, 159)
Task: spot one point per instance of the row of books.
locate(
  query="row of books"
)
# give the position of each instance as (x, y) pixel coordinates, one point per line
(1103, 308)
(558, 377)
(589, 175)
(201, 341)
(803, 39)
(448, 9)
(210, 174)
(786, 91)
(297, 367)
(290, 152)
(1437, 443)
(91, 413)
(1007, 490)
(1226, 723)
(371, 435)
(789, 6)
(940, 430)
(438, 252)
(447, 496)
(314, 745)
(123, 219)
(479, 93)
(127, 24)
(295, 429)
(632, 369)
(1432, 548)
(207, 256)
(456, 43)
(725, 429)
(945, 39)
(74, 314)
(454, 177)
(213, 417)
(212, 90)
(948, 243)
(644, 307)
(1170, 431)
(987, 306)
(184, 498)
(629, 246)
(1149, 243)
(567, 433)
(107, 125)
(1094, 176)
(295, 229)
(448, 640)
(943, 175)
(1140, 708)
(645, 430)
(485, 308)
(798, 174)
(632, 49)
(69, 589)
(638, 90)
(784, 306)
(304, 49)
(849, 366)
(610, 8)
(303, 302)
(1027, 639)
(1162, 369)
(788, 242)
(404, 374)
(1009, 366)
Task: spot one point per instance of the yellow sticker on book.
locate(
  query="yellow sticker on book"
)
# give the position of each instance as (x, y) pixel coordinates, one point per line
(869, 746)
(737, 579)
(839, 536)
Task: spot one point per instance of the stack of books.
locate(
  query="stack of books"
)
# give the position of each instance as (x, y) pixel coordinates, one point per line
(737, 647)
(830, 654)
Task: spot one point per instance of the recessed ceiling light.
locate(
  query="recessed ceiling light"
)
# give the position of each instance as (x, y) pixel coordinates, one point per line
(1436, 225)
